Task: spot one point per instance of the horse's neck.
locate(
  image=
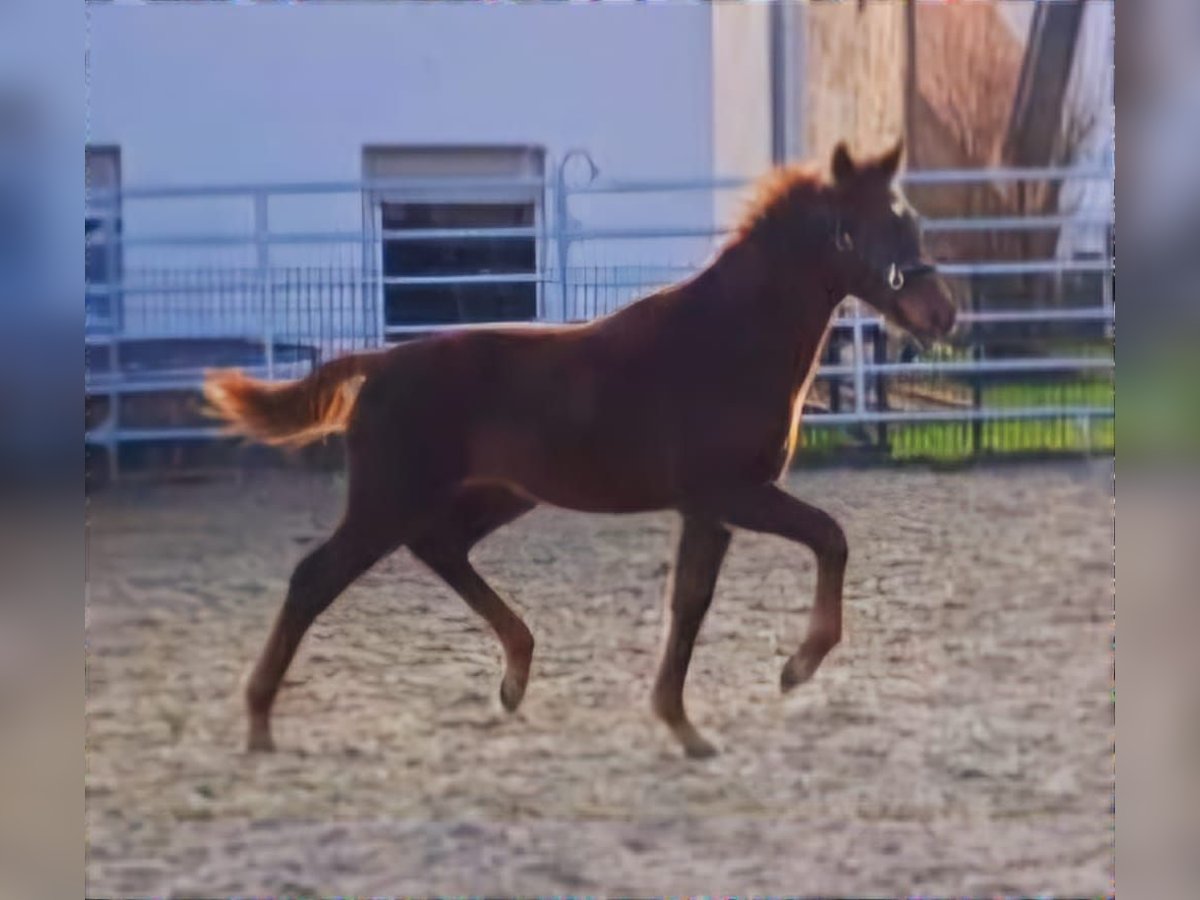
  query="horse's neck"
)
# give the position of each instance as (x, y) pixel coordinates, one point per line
(780, 313)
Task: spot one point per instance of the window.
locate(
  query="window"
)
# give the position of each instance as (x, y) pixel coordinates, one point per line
(454, 191)
(102, 231)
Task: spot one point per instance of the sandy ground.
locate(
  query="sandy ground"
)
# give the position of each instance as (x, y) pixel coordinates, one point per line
(957, 742)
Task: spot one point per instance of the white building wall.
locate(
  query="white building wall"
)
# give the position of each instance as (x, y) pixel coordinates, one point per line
(199, 94)
(211, 92)
(741, 98)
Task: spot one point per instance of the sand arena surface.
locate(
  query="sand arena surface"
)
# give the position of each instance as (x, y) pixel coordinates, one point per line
(957, 742)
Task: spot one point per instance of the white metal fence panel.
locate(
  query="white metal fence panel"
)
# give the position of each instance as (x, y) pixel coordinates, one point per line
(278, 278)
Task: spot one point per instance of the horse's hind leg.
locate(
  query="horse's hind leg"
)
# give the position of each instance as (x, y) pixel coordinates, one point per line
(702, 549)
(356, 544)
(474, 514)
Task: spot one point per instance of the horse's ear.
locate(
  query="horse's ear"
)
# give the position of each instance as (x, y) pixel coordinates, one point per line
(842, 166)
(889, 163)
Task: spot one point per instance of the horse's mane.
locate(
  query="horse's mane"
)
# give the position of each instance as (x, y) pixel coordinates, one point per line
(781, 187)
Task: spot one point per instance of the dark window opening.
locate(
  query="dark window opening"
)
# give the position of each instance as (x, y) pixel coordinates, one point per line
(101, 269)
(102, 239)
(442, 304)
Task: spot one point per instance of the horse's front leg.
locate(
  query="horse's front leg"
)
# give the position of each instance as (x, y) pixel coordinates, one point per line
(702, 547)
(769, 509)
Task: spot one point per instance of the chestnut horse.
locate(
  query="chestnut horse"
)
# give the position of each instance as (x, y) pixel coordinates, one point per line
(687, 400)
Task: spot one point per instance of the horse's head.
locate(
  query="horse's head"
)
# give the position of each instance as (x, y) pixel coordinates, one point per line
(880, 255)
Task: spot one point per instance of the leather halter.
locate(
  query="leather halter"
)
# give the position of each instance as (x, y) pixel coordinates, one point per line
(897, 273)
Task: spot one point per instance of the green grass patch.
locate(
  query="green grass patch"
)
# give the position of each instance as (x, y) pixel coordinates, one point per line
(960, 441)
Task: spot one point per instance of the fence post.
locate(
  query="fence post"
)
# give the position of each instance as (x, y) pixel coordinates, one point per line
(977, 401)
(879, 343)
(562, 216)
(560, 227)
(1107, 301)
(263, 253)
(364, 287)
(860, 375)
(833, 358)
(116, 328)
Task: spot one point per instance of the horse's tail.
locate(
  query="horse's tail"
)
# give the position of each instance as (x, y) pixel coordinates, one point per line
(294, 413)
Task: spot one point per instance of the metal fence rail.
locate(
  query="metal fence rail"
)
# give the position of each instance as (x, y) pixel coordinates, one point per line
(277, 294)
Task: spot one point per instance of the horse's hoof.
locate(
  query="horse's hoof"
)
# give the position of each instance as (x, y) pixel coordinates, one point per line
(511, 694)
(260, 742)
(699, 748)
(796, 671)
